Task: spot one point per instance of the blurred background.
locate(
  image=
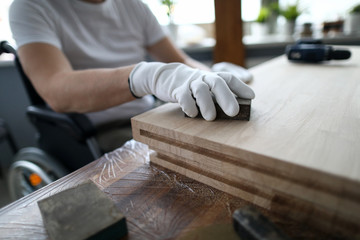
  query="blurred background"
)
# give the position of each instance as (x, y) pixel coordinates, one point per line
(191, 23)
(266, 27)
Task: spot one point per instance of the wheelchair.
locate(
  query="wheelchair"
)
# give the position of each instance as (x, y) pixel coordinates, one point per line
(65, 142)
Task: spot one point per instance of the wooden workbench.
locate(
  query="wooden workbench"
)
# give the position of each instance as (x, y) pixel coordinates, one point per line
(157, 203)
(298, 155)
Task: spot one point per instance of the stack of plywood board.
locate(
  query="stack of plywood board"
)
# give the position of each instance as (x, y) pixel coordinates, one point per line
(298, 156)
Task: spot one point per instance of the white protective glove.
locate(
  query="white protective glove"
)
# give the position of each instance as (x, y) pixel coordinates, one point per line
(237, 70)
(176, 82)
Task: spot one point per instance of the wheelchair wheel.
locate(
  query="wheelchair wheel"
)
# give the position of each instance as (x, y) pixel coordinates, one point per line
(32, 169)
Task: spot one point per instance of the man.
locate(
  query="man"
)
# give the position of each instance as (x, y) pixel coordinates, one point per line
(87, 56)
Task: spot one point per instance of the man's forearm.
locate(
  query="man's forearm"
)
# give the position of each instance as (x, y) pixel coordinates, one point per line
(68, 90)
(89, 90)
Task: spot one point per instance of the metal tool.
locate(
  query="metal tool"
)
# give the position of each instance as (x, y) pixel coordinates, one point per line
(314, 51)
(250, 224)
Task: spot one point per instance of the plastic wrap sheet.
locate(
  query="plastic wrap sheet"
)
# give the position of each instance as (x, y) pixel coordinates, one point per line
(116, 164)
(157, 203)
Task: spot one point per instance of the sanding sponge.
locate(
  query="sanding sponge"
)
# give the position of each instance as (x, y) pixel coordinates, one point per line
(83, 212)
(244, 112)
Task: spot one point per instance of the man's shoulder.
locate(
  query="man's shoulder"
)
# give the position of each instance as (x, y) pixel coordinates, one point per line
(38, 5)
(130, 4)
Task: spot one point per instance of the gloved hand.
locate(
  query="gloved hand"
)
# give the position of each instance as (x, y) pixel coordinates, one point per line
(239, 72)
(176, 82)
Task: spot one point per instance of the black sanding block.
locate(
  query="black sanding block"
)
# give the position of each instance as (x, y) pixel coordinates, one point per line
(244, 112)
(250, 224)
(83, 212)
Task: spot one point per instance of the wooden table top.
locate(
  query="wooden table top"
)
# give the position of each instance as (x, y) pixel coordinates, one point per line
(305, 115)
(157, 203)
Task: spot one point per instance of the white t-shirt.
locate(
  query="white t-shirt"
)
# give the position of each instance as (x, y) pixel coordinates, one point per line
(105, 35)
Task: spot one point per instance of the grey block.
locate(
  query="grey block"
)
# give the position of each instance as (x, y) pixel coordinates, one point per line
(244, 113)
(83, 212)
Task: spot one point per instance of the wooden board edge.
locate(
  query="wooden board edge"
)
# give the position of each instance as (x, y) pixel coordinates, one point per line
(318, 181)
(281, 204)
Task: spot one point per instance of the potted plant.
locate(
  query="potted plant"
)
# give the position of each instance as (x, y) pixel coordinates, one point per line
(260, 27)
(169, 8)
(290, 13)
(352, 22)
(274, 14)
(356, 9)
(173, 28)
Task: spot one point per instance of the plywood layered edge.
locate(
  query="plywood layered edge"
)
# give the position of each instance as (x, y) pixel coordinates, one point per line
(172, 141)
(338, 204)
(280, 204)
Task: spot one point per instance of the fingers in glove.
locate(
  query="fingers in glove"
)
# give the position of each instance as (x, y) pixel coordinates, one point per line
(237, 86)
(223, 95)
(243, 74)
(202, 95)
(187, 102)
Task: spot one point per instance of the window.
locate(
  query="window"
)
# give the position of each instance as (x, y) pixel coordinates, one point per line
(314, 11)
(5, 33)
(322, 10)
(185, 11)
(250, 9)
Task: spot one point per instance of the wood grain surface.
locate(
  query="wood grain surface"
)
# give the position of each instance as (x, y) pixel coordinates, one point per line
(302, 140)
(299, 210)
(157, 203)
